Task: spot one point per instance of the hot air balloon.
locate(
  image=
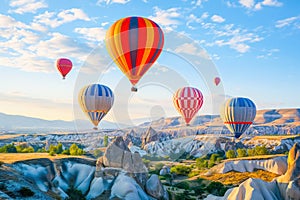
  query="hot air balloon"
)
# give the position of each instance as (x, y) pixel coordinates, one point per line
(217, 80)
(95, 101)
(188, 101)
(238, 114)
(64, 66)
(134, 43)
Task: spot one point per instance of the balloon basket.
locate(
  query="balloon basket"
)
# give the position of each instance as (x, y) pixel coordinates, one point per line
(95, 128)
(134, 89)
(63, 78)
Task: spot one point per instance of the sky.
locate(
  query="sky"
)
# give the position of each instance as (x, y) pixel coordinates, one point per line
(252, 45)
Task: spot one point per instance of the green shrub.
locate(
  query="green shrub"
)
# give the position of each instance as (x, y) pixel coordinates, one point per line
(59, 148)
(8, 148)
(251, 152)
(213, 157)
(75, 150)
(105, 140)
(216, 188)
(66, 152)
(181, 170)
(230, 154)
(52, 153)
(183, 185)
(261, 150)
(241, 153)
(201, 163)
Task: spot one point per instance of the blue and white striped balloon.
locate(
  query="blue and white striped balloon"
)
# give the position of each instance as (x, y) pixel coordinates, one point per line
(95, 101)
(238, 114)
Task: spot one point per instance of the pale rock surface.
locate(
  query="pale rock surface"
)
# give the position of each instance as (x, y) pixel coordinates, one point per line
(127, 189)
(155, 188)
(286, 187)
(276, 165)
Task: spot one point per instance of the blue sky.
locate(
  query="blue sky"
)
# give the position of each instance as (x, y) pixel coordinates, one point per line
(253, 46)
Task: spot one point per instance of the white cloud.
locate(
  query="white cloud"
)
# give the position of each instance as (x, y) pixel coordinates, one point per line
(192, 49)
(286, 22)
(268, 54)
(9, 22)
(99, 2)
(167, 18)
(217, 18)
(194, 19)
(26, 6)
(271, 3)
(253, 5)
(53, 20)
(92, 34)
(247, 3)
(29, 52)
(236, 38)
(104, 23)
(198, 2)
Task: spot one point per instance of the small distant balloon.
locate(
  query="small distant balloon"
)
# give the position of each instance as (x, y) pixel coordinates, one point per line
(238, 114)
(188, 101)
(134, 43)
(217, 81)
(95, 101)
(64, 66)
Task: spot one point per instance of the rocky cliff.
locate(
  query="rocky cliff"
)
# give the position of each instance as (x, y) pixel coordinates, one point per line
(285, 187)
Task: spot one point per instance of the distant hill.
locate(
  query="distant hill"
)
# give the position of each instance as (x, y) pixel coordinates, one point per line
(289, 118)
(269, 117)
(11, 123)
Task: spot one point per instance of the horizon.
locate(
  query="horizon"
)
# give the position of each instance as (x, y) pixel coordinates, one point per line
(239, 48)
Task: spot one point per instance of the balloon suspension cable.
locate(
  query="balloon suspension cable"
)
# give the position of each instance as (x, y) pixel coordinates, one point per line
(134, 89)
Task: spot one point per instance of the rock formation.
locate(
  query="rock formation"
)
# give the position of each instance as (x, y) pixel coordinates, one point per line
(285, 187)
(131, 138)
(276, 165)
(150, 136)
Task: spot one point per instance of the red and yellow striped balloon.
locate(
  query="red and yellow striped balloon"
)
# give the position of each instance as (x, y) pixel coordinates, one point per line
(188, 101)
(134, 43)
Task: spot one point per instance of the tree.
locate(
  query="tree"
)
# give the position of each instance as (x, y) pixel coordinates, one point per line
(75, 150)
(181, 170)
(201, 163)
(241, 153)
(52, 148)
(230, 154)
(66, 152)
(261, 150)
(251, 152)
(59, 148)
(10, 148)
(105, 140)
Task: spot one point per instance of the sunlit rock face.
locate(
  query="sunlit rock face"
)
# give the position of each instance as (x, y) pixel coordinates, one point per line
(285, 187)
(119, 174)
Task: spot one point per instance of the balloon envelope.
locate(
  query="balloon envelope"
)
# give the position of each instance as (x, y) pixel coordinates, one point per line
(95, 101)
(134, 43)
(188, 101)
(217, 80)
(64, 66)
(238, 114)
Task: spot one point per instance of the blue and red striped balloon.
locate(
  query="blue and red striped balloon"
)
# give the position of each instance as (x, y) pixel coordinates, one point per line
(238, 114)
